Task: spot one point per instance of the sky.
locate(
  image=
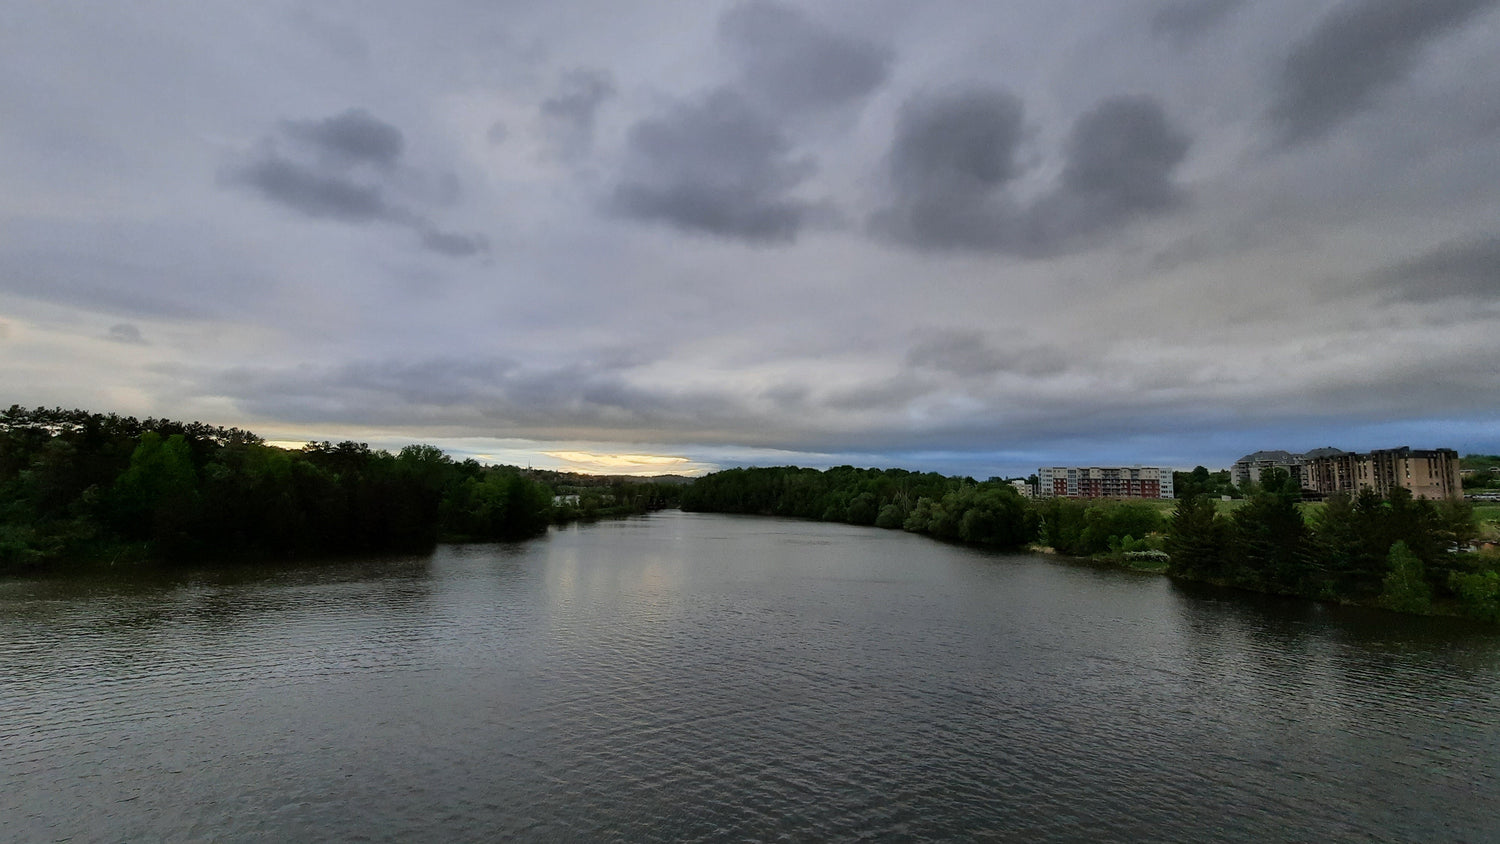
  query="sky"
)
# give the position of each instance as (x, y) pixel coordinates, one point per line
(974, 238)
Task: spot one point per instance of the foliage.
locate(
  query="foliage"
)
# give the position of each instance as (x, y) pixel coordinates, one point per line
(1406, 588)
(1086, 528)
(1200, 481)
(1197, 540)
(955, 509)
(1398, 552)
(1271, 547)
(1478, 593)
(79, 485)
(1481, 473)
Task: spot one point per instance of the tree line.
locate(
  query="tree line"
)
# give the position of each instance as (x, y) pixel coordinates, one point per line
(1398, 552)
(987, 513)
(76, 485)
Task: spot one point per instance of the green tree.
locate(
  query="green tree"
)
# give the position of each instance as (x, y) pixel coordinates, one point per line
(156, 499)
(1196, 539)
(1405, 585)
(1478, 593)
(1270, 539)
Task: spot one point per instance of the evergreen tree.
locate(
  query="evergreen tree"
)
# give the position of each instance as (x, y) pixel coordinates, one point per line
(1196, 539)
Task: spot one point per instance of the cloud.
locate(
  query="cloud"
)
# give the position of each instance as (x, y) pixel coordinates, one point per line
(954, 157)
(456, 245)
(962, 144)
(348, 168)
(793, 64)
(126, 333)
(489, 394)
(314, 193)
(714, 166)
(1360, 50)
(949, 157)
(568, 116)
(1467, 269)
(1121, 157)
(352, 137)
(1187, 20)
(967, 354)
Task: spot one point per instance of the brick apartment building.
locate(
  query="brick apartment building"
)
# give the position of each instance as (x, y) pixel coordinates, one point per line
(1104, 482)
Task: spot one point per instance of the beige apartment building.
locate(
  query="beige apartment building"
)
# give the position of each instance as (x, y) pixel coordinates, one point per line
(1426, 473)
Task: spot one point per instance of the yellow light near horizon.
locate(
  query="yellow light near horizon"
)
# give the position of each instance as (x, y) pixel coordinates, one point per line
(616, 461)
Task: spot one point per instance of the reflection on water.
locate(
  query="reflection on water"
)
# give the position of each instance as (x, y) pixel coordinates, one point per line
(707, 678)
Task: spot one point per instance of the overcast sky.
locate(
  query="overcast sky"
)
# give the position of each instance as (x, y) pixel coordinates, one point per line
(970, 237)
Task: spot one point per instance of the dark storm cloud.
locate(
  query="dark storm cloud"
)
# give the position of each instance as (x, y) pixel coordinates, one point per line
(569, 114)
(354, 136)
(1461, 269)
(953, 158)
(125, 332)
(962, 144)
(347, 168)
(1361, 49)
(714, 166)
(1120, 160)
(792, 63)
(1189, 19)
(315, 193)
(950, 156)
(457, 245)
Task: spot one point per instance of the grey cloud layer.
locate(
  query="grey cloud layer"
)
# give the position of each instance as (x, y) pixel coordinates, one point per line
(1361, 49)
(1024, 226)
(1468, 269)
(345, 168)
(954, 156)
(1189, 19)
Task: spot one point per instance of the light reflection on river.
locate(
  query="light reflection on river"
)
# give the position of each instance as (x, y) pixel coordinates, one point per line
(694, 677)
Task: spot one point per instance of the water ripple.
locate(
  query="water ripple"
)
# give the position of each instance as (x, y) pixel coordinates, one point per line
(696, 678)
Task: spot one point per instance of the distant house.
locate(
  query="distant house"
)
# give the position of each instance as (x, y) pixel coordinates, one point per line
(1104, 482)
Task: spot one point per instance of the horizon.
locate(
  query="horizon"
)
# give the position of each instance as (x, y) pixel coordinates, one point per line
(847, 232)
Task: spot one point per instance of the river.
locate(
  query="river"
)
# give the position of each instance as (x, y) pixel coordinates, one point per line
(696, 677)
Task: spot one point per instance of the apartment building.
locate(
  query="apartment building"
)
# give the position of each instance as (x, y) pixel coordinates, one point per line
(1104, 482)
(1249, 468)
(1426, 473)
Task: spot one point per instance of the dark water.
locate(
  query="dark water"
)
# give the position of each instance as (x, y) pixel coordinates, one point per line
(691, 677)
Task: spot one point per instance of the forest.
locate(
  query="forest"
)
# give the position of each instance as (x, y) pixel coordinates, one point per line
(88, 487)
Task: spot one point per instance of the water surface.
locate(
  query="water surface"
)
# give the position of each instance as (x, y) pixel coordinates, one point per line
(699, 677)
